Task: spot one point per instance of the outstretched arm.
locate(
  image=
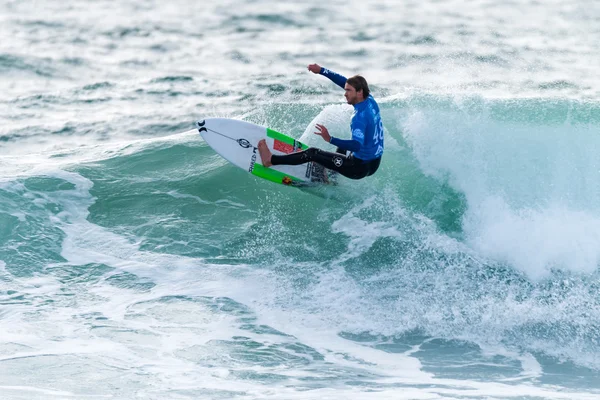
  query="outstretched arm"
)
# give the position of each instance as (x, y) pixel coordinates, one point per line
(335, 77)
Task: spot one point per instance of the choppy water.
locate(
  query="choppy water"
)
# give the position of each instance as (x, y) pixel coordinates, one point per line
(136, 263)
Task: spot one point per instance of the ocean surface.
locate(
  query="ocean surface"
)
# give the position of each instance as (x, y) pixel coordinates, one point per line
(136, 263)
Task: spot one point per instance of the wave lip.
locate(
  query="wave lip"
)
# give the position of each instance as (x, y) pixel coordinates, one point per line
(527, 171)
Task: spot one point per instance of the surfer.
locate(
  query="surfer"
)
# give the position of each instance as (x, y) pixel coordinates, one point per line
(366, 145)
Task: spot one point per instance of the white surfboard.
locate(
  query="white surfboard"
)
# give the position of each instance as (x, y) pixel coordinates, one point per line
(237, 142)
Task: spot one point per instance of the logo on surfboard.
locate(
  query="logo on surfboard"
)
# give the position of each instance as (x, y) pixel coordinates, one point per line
(253, 159)
(201, 127)
(244, 143)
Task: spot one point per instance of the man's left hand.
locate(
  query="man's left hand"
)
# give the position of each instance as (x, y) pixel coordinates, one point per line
(323, 132)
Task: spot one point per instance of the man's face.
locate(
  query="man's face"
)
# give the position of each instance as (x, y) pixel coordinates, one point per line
(352, 96)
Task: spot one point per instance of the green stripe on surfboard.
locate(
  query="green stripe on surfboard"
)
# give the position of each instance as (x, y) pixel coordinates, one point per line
(273, 175)
(284, 138)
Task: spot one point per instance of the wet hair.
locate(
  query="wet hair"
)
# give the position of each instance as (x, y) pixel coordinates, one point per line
(359, 83)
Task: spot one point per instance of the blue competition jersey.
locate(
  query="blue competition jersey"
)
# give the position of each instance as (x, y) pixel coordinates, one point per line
(367, 129)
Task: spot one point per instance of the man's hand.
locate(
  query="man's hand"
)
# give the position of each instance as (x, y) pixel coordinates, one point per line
(323, 132)
(314, 68)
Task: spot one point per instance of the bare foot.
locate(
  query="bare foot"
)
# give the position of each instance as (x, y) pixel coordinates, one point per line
(265, 153)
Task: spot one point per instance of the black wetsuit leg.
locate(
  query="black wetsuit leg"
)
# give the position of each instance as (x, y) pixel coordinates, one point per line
(349, 166)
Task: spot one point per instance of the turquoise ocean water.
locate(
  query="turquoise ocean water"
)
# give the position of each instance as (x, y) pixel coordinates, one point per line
(135, 263)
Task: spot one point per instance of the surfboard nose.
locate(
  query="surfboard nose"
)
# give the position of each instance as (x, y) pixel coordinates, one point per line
(200, 125)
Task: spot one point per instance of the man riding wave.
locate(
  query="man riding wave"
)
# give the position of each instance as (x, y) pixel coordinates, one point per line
(366, 145)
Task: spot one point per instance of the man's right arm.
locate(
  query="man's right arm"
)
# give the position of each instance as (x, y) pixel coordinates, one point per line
(335, 77)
